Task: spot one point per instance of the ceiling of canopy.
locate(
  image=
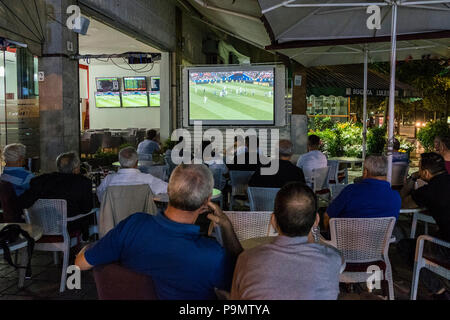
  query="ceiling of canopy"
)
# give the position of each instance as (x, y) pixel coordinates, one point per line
(331, 35)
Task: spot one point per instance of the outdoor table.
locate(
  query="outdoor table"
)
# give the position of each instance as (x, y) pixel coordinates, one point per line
(164, 197)
(348, 160)
(21, 246)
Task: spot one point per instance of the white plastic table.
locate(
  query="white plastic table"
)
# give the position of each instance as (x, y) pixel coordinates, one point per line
(348, 160)
(21, 246)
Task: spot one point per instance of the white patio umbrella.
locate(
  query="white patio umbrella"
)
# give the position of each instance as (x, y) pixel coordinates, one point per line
(300, 23)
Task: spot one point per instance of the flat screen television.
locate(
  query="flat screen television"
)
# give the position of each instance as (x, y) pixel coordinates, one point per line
(155, 83)
(108, 100)
(234, 95)
(107, 84)
(155, 98)
(135, 84)
(134, 99)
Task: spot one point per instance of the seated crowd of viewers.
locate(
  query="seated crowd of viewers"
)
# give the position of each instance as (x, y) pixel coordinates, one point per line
(186, 264)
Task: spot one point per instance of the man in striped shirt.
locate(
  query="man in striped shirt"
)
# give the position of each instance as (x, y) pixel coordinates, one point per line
(14, 172)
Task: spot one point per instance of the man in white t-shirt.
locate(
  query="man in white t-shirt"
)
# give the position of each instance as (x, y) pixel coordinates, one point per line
(129, 175)
(314, 159)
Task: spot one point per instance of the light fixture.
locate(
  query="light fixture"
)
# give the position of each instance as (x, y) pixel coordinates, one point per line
(418, 124)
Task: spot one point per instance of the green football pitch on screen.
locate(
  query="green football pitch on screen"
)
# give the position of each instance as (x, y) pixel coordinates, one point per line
(155, 100)
(107, 101)
(231, 101)
(134, 100)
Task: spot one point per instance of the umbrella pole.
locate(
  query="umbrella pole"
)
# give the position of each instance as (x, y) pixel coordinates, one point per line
(366, 54)
(392, 91)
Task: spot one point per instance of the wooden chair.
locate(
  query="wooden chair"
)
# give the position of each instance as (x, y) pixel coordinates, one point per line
(115, 282)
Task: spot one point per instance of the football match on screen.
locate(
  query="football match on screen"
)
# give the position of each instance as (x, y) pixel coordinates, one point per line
(236, 96)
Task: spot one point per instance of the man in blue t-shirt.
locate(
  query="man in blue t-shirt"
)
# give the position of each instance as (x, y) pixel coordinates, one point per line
(147, 147)
(373, 197)
(183, 264)
(14, 172)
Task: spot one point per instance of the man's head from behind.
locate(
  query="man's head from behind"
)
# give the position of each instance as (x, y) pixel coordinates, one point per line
(151, 134)
(190, 187)
(313, 143)
(396, 145)
(295, 210)
(442, 144)
(68, 163)
(286, 149)
(431, 165)
(375, 167)
(128, 158)
(14, 155)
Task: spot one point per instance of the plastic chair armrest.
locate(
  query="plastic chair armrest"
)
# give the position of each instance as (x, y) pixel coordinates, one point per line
(434, 240)
(80, 216)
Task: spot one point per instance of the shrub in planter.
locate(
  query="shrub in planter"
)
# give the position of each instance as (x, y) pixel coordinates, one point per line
(376, 140)
(427, 135)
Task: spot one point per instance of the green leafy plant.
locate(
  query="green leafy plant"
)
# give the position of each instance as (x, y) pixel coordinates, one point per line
(321, 124)
(427, 135)
(376, 140)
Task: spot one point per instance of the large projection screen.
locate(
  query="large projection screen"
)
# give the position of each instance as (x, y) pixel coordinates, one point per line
(251, 95)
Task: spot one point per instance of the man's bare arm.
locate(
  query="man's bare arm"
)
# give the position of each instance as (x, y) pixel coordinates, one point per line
(81, 261)
(230, 240)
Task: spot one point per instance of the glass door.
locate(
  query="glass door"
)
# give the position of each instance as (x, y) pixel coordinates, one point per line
(19, 99)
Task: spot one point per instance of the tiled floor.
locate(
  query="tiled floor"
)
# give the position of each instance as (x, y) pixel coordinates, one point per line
(44, 284)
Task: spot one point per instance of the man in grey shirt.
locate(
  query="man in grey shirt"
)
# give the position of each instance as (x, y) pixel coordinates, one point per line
(294, 266)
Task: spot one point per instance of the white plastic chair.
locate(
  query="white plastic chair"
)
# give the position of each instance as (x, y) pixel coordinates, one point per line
(51, 216)
(364, 242)
(320, 182)
(262, 199)
(336, 189)
(335, 173)
(431, 264)
(249, 225)
(239, 184)
(420, 216)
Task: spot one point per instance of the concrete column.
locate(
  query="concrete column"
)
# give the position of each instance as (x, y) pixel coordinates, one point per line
(299, 119)
(59, 93)
(166, 92)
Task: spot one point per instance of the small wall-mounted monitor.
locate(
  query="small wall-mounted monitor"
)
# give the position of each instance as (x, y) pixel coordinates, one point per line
(155, 98)
(135, 84)
(135, 99)
(155, 84)
(107, 84)
(107, 100)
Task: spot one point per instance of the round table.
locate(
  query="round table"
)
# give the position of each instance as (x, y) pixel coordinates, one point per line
(412, 211)
(348, 160)
(21, 245)
(164, 197)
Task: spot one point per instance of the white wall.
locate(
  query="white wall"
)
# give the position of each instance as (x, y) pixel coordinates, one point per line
(120, 118)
